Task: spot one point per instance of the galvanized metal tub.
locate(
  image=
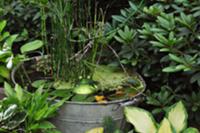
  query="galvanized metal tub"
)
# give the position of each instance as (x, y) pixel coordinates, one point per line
(76, 117)
(79, 117)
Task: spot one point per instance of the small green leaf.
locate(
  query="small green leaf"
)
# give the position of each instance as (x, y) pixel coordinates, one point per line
(31, 46)
(39, 83)
(2, 25)
(4, 35)
(119, 39)
(157, 44)
(122, 34)
(53, 108)
(171, 69)
(195, 77)
(176, 58)
(181, 67)
(164, 23)
(123, 12)
(161, 38)
(10, 40)
(133, 6)
(42, 125)
(4, 72)
(164, 50)
(119, 18)
(46, 125)
(8, 90)
(19, 92)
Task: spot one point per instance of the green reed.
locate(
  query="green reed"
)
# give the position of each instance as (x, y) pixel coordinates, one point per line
(72, 41)
(65, 64)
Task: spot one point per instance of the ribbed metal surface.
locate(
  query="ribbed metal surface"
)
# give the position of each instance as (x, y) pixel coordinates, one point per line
(78, 117)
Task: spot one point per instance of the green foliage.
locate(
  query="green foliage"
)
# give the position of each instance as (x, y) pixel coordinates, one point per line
(21, 14)
(125, 36)
(76, 40)
(109, 125)
(7, 58)
(161, 100)
(30, 111)
(107, 84)
(175, 120)
(165, 48)
(11, 117)
(193, 102)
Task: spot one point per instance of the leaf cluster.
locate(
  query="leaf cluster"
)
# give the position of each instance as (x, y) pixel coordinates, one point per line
(27, 112)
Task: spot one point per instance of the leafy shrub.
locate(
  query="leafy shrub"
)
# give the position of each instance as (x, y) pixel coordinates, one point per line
(27, 112)
(165, 46)
(21, 14)
(9, 59)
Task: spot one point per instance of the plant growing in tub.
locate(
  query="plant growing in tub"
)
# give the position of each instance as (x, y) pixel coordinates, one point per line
(107, 84)
(8, 59)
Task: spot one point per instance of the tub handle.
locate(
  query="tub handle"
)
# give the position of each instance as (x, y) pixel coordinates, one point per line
(133, 101)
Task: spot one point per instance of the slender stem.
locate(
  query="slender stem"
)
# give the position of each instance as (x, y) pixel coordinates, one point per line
(117, 56)
(26, 74)
(43, 27)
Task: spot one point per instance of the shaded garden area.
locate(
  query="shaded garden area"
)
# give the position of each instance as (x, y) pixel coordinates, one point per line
(100, 66)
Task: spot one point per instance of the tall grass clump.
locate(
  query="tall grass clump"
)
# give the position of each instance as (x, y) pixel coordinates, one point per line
(74, 43)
